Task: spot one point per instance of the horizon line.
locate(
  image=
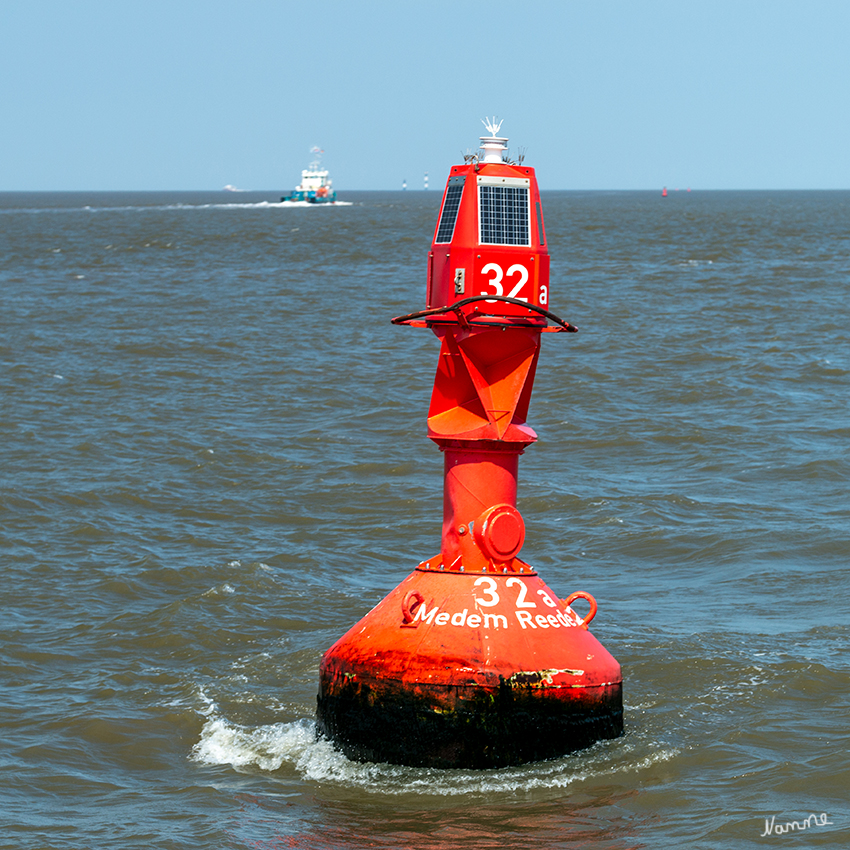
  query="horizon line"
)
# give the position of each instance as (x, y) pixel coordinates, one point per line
(435, 190)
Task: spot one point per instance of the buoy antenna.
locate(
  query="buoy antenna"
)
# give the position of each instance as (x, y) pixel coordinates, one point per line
(521, 155)
(491, 125)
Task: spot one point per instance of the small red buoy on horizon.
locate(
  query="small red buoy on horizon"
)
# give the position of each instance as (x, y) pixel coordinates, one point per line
(664, 192)
(473, 661)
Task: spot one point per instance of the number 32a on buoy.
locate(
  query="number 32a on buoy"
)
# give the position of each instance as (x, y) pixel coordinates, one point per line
(511, 282)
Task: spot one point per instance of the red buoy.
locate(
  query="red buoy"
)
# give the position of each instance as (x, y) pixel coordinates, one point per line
(472, 661)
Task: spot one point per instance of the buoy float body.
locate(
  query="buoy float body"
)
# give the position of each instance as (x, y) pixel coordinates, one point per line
(472, 661)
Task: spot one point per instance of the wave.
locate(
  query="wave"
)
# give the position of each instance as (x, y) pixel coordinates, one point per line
(255, 205)
(258, 205)
(298, 745)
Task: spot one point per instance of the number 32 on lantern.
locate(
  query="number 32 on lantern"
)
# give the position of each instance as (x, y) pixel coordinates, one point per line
(514, 278)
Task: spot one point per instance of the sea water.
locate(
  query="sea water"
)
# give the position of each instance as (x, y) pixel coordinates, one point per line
(214, 463)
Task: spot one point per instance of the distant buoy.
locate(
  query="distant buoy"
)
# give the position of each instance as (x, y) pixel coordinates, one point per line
(473, 661)
(664, 192)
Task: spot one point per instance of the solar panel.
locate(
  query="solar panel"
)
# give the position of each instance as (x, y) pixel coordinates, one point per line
(448, 217)
(503, 215)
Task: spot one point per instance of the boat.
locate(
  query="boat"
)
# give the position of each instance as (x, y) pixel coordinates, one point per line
(316, 186)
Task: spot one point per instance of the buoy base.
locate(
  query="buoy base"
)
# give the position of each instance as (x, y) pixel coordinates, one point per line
(469, 670)
(465, 726)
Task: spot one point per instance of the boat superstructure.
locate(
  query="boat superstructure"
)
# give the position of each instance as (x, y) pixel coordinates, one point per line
(316, 186)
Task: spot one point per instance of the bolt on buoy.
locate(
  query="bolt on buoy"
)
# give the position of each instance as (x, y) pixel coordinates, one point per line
(473, 661)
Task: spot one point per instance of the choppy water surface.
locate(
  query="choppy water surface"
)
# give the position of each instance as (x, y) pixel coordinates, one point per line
(214, 462)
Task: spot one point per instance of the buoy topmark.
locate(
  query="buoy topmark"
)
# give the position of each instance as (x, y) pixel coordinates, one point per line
(473, 661)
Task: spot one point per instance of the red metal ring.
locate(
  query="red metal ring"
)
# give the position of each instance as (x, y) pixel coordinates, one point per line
(414, 597)
(582, 594)
(434, 312)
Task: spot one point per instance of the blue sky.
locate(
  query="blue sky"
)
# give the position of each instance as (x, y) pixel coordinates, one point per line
(603, 95)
